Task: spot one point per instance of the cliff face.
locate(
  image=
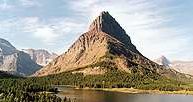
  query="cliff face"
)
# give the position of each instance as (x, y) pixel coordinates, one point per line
(107, 24)
(106, 41)
(6, 48)
(15, 61)
(40, 56)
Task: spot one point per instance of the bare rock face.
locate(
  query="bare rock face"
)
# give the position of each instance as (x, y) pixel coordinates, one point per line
(6, 48)
(106, 43)
(163, 61)
(40, 56)
(15, 61)
(107, 24)
(82, 53)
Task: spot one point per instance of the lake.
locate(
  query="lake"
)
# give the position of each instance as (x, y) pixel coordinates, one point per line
(82, 95)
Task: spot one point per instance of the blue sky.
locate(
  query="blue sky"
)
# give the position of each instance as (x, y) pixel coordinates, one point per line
(156, 27)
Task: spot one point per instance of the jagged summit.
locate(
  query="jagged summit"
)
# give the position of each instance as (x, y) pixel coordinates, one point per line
(107, 24)
(105, 42)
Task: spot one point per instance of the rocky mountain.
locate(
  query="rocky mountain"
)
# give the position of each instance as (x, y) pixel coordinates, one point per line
(180, 66)
(40, 56)
(15, 61)
(104, 38)
(6, 48)
(103, 47)
(163, 61)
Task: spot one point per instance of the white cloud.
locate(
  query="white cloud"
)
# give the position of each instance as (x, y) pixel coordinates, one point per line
(144, 20)
(29, 3)
(5, 6)
(47, 32)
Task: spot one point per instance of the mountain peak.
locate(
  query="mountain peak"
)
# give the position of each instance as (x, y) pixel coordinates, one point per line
(163, 61)
(97, 23)
(40, 56)
(15, 61)
(6, 47)
(106, 23)
(105, 42)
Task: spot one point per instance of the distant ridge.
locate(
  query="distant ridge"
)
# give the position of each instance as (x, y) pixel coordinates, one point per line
(163, 61)
(15, 61)
(185, 67)
(40, 56)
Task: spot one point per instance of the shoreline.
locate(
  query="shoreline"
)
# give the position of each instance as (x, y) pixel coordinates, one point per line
(139, 91)
(134, 91)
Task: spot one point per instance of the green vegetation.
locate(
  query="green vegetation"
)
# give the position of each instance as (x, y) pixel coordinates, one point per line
(28, 90)
(39, 89)
(139, 78)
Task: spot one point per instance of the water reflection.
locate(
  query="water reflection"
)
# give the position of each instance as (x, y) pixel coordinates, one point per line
(81, 95)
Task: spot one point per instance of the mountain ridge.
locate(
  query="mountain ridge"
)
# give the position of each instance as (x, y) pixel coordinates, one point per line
(15, 61)
(163, 61)
(6, 47)
(185, 67)
(105, 36)
(40, 56)
(103, 48)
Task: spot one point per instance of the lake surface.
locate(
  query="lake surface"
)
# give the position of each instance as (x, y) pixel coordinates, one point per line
(81, 95)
